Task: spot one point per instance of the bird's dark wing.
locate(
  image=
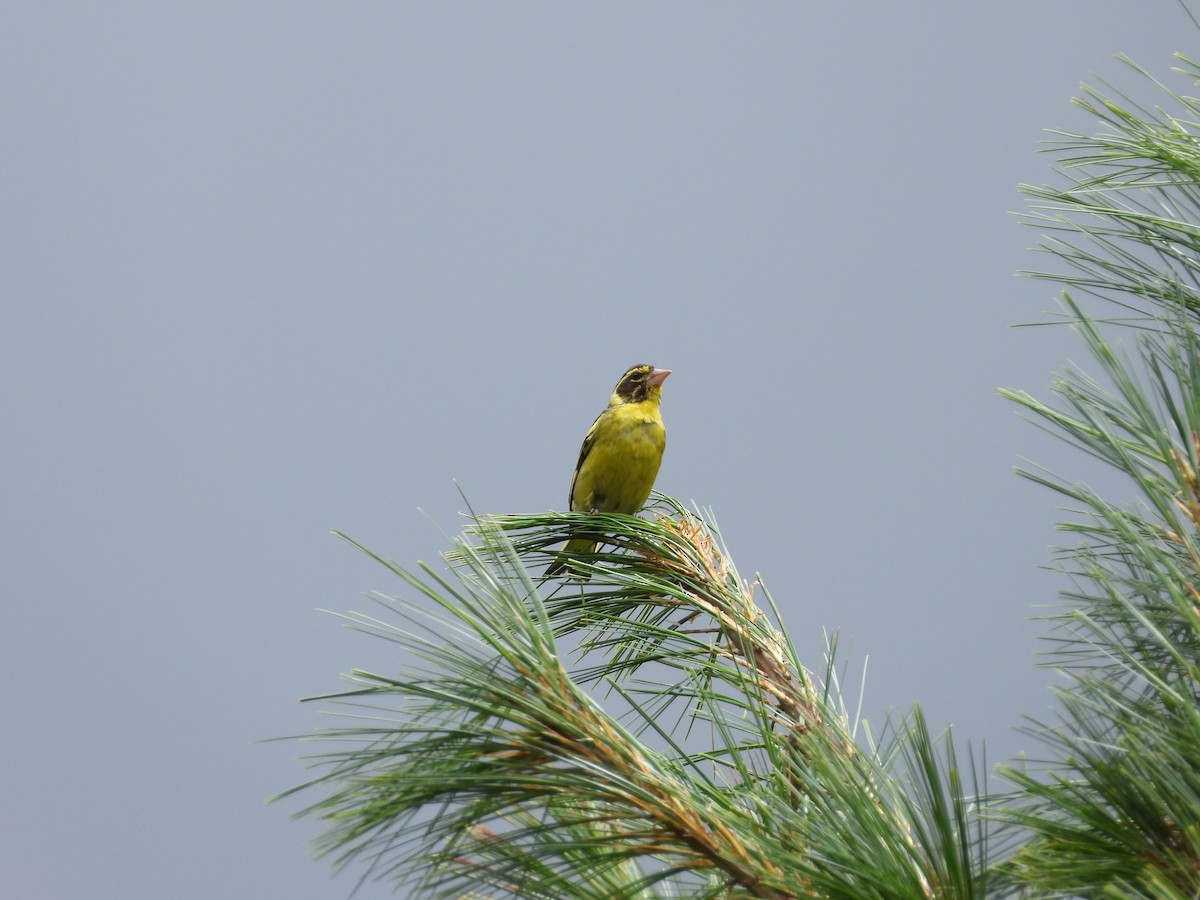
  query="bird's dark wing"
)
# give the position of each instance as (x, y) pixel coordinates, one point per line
(588, 443)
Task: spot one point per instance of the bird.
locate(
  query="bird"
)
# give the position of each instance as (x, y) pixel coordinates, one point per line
(620, 456)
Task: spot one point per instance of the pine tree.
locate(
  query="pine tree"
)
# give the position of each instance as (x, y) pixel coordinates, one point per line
(651, 732)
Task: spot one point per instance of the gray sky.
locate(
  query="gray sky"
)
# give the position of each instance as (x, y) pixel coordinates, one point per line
(270, 269)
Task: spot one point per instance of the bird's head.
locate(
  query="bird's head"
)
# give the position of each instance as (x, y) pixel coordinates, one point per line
(639, 383)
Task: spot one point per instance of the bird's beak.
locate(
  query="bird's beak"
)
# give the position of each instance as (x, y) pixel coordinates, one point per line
(657, 377)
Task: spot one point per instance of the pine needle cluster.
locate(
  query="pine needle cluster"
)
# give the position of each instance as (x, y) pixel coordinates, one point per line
(1114, 808)
(685, 752)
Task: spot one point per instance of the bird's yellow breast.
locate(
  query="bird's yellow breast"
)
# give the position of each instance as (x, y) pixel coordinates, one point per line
(616, 475)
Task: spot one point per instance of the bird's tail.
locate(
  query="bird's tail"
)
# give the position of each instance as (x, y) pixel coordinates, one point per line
(563, 560)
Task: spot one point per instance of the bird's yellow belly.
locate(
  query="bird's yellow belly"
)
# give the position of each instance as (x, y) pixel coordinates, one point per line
(620, 470)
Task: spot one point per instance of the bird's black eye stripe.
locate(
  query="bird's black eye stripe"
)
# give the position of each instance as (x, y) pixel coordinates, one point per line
(633, 383)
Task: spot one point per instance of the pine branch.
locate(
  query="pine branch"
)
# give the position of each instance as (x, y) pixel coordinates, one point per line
(488, 765)
(1113, 810)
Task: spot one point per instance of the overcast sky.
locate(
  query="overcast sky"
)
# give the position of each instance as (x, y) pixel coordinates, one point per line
(270, 269)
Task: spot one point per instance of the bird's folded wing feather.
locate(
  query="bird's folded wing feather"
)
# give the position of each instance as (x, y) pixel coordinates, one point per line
(588, 443)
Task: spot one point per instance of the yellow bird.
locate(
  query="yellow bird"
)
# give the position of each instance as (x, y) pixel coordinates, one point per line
(620, 455)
